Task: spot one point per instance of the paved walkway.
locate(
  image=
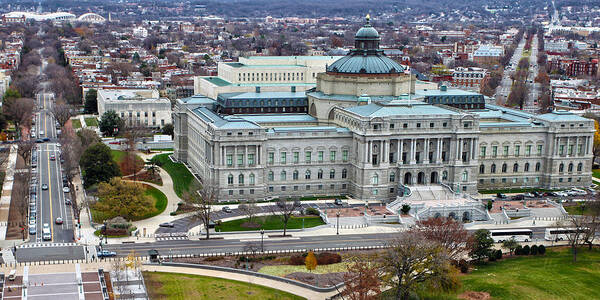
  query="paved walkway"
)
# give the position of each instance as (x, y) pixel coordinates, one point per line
(6, 196)
(286, 287)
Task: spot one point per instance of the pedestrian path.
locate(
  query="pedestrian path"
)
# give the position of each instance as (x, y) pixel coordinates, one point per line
(7, 186)
(43, 245)
(8, 256)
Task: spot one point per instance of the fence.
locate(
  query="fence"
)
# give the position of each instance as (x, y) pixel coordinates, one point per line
(354, 226)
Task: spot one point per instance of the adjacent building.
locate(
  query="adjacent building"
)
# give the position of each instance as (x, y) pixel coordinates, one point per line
(136, 106)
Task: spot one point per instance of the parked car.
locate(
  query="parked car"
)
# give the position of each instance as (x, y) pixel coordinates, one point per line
(167, 224)
(67, 201)
(501, 196)
(106, 253)
(518, 197)
(32, 230)
(39, 141)
(529, 195)
(226, 209)
(46, 139)
(538, 194)
(66, 189)
(338, 202)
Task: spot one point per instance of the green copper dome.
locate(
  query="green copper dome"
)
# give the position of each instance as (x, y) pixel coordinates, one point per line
(366, 57)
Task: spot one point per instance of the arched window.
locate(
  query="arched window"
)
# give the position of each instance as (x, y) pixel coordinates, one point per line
(295, 175)
(307, 174)
(526, 169)
(515, 168)
(332, 174)
(344, 173)
(229, 179)
(375, 179)
(579, 167)
(445, 175)
(561, 168)
(283, 176)
(538, 166)
(320, 174)
(503, 168)
(271, 176)
(493, 168)
(570, 167)
(392, 177)
(481, 169)
(251, 179)
(465, 176)
(241, 179)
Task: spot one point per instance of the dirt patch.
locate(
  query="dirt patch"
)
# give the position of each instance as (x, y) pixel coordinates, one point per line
(471, 295)
(149, 177)
(250, 225)
(321, 280)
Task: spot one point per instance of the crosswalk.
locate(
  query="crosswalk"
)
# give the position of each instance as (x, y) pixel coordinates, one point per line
(172, 238)
(42, 245)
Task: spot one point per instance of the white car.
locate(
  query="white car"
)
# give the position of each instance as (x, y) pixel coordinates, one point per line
(66, 189)
(41, 132)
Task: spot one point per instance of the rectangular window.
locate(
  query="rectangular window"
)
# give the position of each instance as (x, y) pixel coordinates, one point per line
(283, 157)
(295, 188)
(270, 189)
(539, 149)
(229, 160)
(251, 159)
(580, 149)
(505, 151)
(320, 186)
(307, 157)
(561, 150)
(240, 159)
(482, 151)
(308, 187)
(230, 192)
(241, 192)
(570, 149)
(332, 155)
(344, 186)
(517, 150)
(494, 151)
(296, 157)
(320, 156)
(283, 188)
(528, 150)
(345, 155)
(271, 157)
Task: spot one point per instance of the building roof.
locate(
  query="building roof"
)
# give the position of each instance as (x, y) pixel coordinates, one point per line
(399, 107)
(447, 92)
(308, 128)
(352, 98)
(263, 95)
(230, 122)
(562, 116)
(218, 81)
(279, 118)
(197, 99)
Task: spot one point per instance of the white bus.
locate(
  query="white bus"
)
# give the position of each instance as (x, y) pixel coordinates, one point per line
(560, 234)
(520, 235)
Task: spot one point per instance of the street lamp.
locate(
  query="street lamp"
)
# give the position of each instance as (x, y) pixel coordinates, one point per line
(337, 214)
(262, 240)
(105, 236)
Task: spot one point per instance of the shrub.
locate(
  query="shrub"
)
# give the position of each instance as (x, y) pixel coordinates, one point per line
(405, 208)
(519, 250)
(173, 213)
(498, 254)
(213, 258)
(297, 260)
(312, 211)
(327, 258)
(463, 265)
(534, 250)
(526, 250)
(492, 256)
(541, 249)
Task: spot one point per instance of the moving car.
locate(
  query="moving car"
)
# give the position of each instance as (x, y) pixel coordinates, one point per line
(67, 201)
(41, 132)
(167, 224)
(58, 221)
(46, 139)
(226, 209)
(52, 157)
(106, 253)
(44, 186)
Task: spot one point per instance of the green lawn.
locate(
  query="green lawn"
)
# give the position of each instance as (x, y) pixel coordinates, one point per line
(160, 204)
(91, 121)
(183, 286)
(596, 173)
(181, 176)
(76, 123)
(118, 156)
(577, 209)
(282, 270)
(270, 223)
(553, 276)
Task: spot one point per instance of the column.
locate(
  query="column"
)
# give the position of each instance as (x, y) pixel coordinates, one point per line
(426, 150)
(369, 156)
(556, 142)
(222, 156)
(438, 153)
(366, 149)
(401, 149)
(589, 145)
(398, 153)
(474, 149)
(382, 150)
(258, 154)
(245, 160)
(234, 160)
(412, 150)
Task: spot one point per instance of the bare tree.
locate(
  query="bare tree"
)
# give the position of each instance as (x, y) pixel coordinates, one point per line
(449, 233)
(20, 192)
(362, 281)
(19, 110)
(413, 260)
(133, 131)
(203, 199)
(249, 210)
(24, 150)
(62, 113)
(285, 210)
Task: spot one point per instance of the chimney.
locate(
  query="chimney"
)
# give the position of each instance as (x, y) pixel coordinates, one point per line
(257, 89)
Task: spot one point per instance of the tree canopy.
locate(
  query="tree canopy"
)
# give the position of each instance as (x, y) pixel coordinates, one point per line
(97, 165)
(91, 102)
(110, 123)
(120, 198)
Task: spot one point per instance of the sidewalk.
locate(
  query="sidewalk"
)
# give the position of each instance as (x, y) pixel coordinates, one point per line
(290, 288)
(6, 196)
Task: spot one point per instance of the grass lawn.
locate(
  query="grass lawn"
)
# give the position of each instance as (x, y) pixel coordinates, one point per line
(552, 276)
(282, 270)
(183, 286)
(270, 223)
(76, 123)
(160, 204)
(596, 173)
(91, 121)
(576, 209)
(182, 178)
(119, 156)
